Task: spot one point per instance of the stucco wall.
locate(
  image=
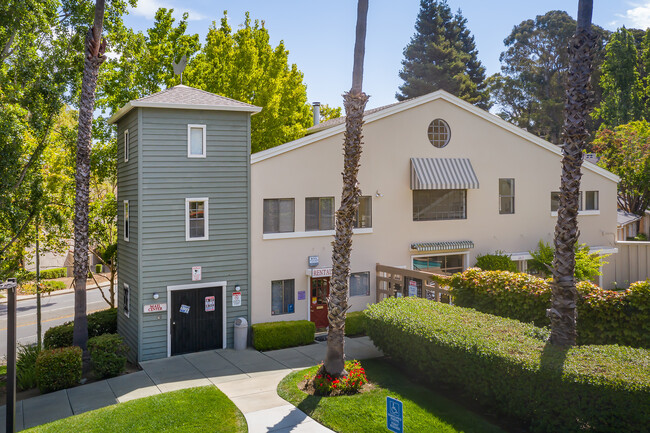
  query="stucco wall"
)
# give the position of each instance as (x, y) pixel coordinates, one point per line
(389, 143)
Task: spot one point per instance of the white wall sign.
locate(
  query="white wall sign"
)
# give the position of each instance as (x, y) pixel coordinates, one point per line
(312, 260)
(236, 299)
(196, 273)
(155, 308)
(321, 272)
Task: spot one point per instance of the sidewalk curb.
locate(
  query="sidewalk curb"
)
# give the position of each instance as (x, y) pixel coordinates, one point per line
(55, 293)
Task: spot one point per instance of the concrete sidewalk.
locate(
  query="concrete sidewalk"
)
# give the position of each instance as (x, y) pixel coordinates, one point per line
(249, 378)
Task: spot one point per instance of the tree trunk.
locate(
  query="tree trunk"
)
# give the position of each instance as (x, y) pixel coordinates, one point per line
(354, 102)
(563, 314)
(94, 56)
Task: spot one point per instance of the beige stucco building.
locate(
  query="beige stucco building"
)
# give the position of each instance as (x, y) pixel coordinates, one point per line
(443, 182)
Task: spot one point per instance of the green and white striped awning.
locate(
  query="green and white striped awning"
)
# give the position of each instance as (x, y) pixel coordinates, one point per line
(442, 246)
(442, 173)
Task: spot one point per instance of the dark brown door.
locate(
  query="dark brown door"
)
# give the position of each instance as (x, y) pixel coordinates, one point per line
(196, 320)
(320, 290)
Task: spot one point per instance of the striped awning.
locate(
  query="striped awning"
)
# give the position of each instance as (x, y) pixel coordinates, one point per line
(441, 246)
(442, 173)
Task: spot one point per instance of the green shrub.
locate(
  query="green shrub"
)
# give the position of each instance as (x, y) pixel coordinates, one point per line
(26, 366)
(58, 368)
(46, 287)
(495, 262)
(278, 335)
(107, 354)
(587, 264)
(604, 316)
(508, 365)
(355, 323)
(48, 274)
(98, 268)
(100, 322)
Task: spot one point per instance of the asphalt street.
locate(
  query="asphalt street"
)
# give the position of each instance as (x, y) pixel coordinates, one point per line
(55, 309)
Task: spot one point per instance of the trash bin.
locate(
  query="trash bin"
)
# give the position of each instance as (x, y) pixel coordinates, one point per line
(241, 333)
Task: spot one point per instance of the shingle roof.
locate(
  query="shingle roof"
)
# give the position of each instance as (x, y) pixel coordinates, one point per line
(624, 217)
(340, 120)
(188, 98)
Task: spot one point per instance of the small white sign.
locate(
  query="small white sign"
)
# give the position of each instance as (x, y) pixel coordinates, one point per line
(321, 272)
(236, 299)
(196, 273)
(155, 308)
(209, 303)
(313, 260)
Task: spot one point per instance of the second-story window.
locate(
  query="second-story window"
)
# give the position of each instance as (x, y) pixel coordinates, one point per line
(439, 204)
(196, 219)
(196, 147)
(279, 215)
(319, 213)
(506, 196)
(127, 145)
(591, 200)
(127, 227)
(363, 218)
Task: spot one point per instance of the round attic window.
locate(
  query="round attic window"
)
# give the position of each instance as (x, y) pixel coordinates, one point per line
(439, 133)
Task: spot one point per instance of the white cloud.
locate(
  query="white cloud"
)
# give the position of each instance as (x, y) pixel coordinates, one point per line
(148, 8)
(639, 16)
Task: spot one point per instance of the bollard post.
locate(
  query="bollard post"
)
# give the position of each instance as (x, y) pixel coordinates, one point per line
(10, 285)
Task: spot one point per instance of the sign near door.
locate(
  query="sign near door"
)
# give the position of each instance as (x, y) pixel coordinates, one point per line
(413, 288)
(209, 303)
(155, 308)
(185, 309)
(236, 299)
(196, 273)
(321, 272)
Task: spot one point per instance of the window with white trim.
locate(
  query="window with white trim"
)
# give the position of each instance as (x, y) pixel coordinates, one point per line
(319, 213)
(363, 218)
(591, 196)
(360, 284)
(445, 263)
(282, 297)
(279, 215)
(127, 228)
(126, 299)
(196, 146)
(127, 145)
(506, 196)
(591, 200)
(196, 219)
(439, 204)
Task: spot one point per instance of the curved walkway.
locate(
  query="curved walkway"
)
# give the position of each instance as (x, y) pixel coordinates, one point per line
(249, 378)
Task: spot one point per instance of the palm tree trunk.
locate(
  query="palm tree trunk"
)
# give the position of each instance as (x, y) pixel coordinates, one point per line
(354, 102)
(563, 313)
(94, 56)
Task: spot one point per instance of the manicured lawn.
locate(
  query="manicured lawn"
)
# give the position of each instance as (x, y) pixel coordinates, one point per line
(203, 409)
(424, 410)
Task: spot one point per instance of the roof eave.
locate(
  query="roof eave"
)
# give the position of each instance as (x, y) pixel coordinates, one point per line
(133, 104)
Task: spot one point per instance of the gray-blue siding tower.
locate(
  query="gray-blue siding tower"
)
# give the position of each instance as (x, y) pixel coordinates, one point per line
(183, 191)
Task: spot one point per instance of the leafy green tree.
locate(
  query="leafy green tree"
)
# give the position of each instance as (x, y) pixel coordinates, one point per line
(243, 65)
(587, 265)
(327, 112)
(622, 88)
(498, 261)
(625, 151)
(442, 55)
(529, 91)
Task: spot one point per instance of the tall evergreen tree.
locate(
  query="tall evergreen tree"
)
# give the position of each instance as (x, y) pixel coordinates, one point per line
(620, 81)
(442, 55)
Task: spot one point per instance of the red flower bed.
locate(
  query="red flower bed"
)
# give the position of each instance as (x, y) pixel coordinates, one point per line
(324, 384)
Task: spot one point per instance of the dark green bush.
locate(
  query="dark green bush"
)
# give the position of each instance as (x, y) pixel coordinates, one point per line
(604, 316)
(98, 268)
(100, 322)
(495, 262)
(587, 266)
(107, 354)
(49, 274)
(355, 323)
(26, 366)
(278, 335)
(508, 365)
(58, 368)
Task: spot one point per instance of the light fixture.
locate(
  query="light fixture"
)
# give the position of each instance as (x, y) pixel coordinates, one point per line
(156, 296)
(378, 194)
(237, 288)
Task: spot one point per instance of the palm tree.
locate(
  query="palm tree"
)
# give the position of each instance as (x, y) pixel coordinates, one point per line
(94, 56)
(354, 102)
(563, 313)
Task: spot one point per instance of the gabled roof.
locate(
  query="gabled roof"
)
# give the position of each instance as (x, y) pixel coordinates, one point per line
(623, 217)
(341, 120)
(385, 111)
(185, 98)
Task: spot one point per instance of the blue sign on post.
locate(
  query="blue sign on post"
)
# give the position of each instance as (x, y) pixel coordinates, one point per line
(394, 415)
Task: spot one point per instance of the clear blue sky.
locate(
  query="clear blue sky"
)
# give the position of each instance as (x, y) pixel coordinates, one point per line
(320, 35)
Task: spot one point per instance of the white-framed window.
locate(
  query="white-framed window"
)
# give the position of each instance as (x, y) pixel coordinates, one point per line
(282, 297)
(127, 227)
(439, 204)
(363, 218)
(319, 213)
(506, 196)
(449, 263)
(439, 133)
(360, 284)
(587, 202)
(196, 147)
(279, 215)
(126, 299)
(196, 219)
(591, 200)
(127, 145)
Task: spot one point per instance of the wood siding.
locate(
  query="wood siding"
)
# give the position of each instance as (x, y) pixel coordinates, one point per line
(629, 265)
(127, 252)
(168, 177)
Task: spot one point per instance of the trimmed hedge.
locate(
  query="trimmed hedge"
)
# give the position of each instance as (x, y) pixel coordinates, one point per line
(100, 322)
(58, 368)
(507, 365)
(278, 335)
(498, 261)
(107, 354)
(49, 274)
(604, 316)
(355, 323)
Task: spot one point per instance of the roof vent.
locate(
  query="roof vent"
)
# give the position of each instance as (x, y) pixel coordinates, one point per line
(316, 110)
